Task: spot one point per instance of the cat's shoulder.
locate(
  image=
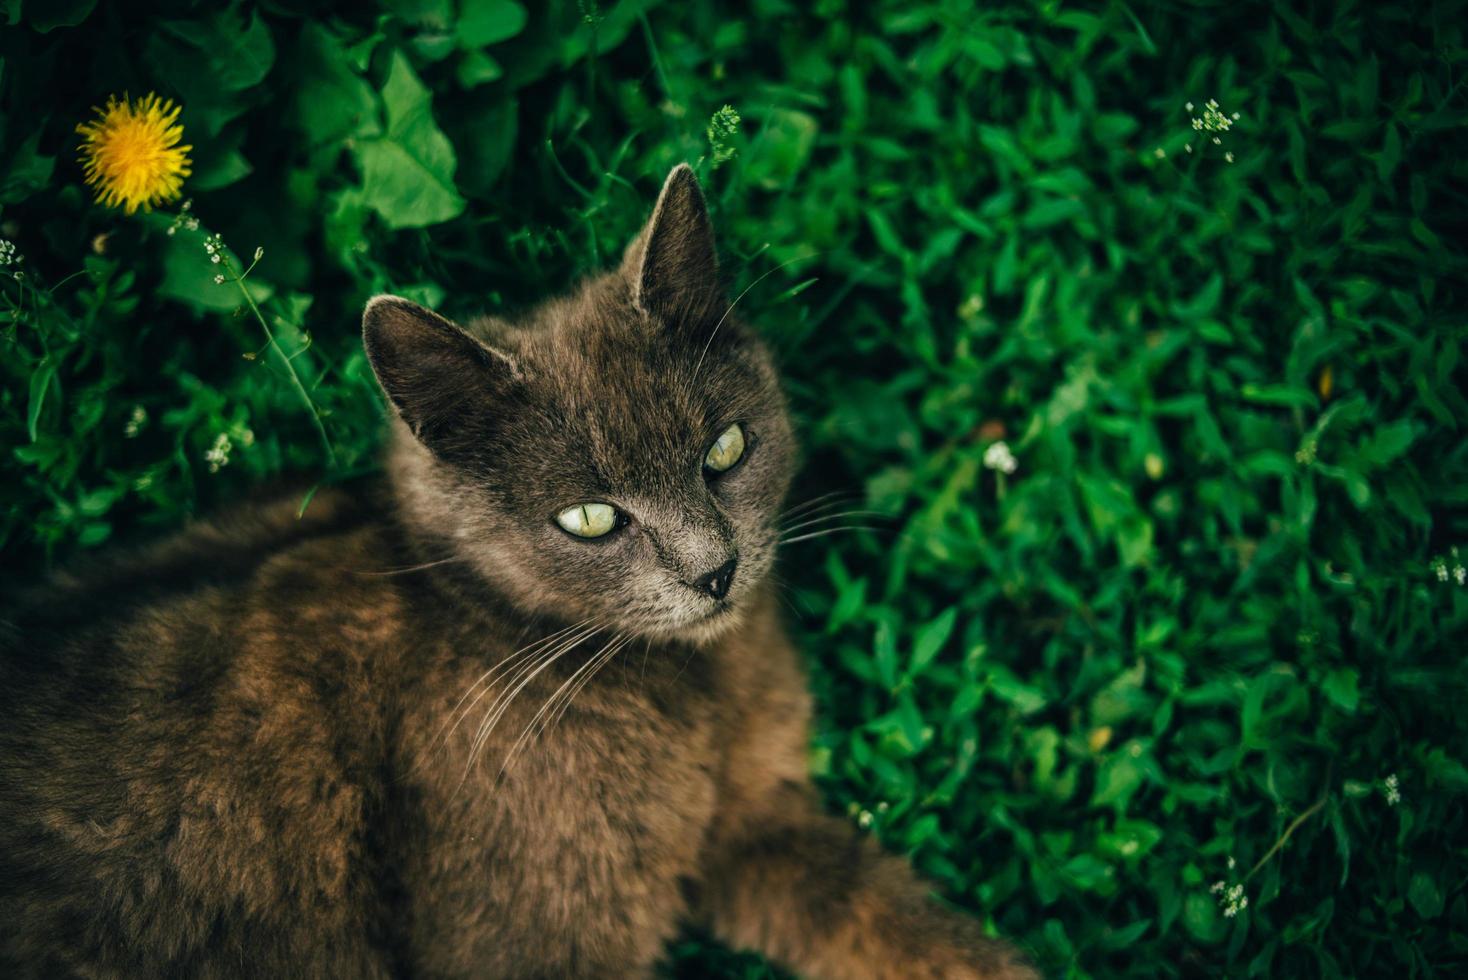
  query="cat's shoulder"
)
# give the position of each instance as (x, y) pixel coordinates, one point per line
(259, 559)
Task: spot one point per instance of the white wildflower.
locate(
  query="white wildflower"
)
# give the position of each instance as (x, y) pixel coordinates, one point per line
(1231, 898)
(135, 422)
(1449, 566)
(1214, 121)
(184, 219)
(218, 454)
(998, 457)
(1391, 789)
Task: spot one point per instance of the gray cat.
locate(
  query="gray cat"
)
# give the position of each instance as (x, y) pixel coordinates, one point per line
(379, 742)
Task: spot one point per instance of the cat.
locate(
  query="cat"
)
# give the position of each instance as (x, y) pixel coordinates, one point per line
(383, 739)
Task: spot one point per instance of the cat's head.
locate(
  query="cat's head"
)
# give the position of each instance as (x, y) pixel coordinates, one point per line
(617, 455)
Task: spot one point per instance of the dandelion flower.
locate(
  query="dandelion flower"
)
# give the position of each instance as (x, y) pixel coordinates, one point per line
(131, 152)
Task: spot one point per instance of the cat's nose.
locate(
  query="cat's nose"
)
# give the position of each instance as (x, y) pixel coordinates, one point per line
(717, 582)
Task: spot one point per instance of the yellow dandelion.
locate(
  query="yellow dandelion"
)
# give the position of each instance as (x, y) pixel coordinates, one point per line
(131, 152)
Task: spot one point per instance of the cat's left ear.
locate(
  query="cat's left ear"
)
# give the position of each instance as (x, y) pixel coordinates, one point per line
(673, 266)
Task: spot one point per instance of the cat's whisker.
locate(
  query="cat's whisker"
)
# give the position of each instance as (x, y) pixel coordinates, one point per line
(529, 672)
(829, 530)
(831, 499)
(714, 333)
(528, 654)
(837, 516)
(518, 678)
(547, 711)
(456, 718)
(411, 568)
(605, 659)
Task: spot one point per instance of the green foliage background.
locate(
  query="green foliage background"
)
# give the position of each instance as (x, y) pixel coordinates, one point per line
(1185, 642)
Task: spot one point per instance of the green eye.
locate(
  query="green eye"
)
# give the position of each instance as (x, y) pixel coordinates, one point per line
(588, 520)
(726, 450)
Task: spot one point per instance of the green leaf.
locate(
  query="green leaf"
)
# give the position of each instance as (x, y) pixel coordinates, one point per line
(1425, 895)
(43, 380)
(332, 101)
(188, 275)
(239, 54)
(483, 22)
(781, 148)
(930, 639)
(48, 15)
(1388, 443)
(476, 68)
(483, 128)
(408, 174)
(1341, 687)
(1117, 780)
(28, 171)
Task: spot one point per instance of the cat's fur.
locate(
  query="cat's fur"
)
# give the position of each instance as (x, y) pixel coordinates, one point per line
(251, 750)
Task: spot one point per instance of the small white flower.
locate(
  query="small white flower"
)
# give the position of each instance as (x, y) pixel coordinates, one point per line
(1188, 106)
(183, 219)
(1233, 900)
(219, 280)
(1229, 156)
(1449, 566)
(1391, 789)
(135, 422)
(864, 819)
(214, 258)
(218, 454)
(259, 252)
(998, 457)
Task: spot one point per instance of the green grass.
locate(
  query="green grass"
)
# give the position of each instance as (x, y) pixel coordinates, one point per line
(1186, 641)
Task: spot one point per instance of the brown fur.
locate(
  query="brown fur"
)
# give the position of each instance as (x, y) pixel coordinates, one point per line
(261, 748)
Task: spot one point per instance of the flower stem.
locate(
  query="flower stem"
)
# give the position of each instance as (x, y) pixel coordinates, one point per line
(1313, 809)
(290, 368)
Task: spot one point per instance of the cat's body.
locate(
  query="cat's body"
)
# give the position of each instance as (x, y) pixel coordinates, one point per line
(392, 738)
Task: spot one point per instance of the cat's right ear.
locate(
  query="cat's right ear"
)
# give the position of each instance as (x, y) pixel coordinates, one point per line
(435, 374)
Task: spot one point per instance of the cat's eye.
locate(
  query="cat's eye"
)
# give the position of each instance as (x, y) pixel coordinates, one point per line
(589, 520)
(727, 450)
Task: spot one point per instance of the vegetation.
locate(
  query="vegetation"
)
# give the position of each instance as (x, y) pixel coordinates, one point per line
(1154, 655)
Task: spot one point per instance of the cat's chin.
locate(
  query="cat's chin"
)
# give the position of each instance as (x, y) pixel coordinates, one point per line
(704, 631)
